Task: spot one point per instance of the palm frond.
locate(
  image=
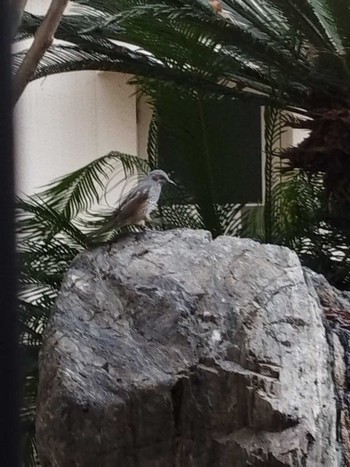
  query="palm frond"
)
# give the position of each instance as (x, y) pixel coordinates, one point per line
(337, 16)
(40, 220)
(291, 45)
(251, 52)
(79, 190)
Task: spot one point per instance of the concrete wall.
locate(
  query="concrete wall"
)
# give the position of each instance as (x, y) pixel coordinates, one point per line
(65, 121)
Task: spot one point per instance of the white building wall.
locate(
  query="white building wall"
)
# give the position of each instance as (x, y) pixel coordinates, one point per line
(144, 117)
(65, 121)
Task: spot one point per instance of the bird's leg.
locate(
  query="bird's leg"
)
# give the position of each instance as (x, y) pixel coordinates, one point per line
(142, 225)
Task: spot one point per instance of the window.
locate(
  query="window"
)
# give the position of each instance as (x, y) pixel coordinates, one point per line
(219, 142)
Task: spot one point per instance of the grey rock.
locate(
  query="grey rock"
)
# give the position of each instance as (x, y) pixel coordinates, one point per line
(171, 349)
(336, 308)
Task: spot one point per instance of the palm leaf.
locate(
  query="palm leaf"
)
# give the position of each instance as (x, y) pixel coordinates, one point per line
(79, 190)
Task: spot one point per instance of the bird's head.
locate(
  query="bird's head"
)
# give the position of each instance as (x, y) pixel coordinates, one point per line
(160, 177)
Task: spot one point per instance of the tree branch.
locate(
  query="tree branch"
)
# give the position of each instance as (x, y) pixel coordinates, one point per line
(42, 40)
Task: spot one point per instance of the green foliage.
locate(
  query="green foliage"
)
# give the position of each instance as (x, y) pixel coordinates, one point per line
(294, 54)
(81, 189)
(299, 47)
(295, 213)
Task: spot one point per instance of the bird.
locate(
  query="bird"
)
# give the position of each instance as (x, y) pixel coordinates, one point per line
(135, 208)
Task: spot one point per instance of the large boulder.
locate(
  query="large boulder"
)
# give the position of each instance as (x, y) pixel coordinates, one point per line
(171, 349)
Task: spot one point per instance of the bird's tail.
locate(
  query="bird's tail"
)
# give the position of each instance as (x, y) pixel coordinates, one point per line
(107, 226)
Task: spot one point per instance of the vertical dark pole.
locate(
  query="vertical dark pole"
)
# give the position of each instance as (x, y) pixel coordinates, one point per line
(9, 426)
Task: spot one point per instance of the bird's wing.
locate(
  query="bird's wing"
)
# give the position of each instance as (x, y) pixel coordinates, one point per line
(128, 207)
(133, 202)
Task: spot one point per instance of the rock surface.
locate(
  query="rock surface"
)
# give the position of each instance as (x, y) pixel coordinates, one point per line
(336, 307)
(171, 349)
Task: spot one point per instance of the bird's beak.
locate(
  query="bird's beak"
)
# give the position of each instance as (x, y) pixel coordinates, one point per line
(171, 181)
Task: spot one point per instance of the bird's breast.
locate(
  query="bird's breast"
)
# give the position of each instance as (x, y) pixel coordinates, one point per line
(153, 197)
